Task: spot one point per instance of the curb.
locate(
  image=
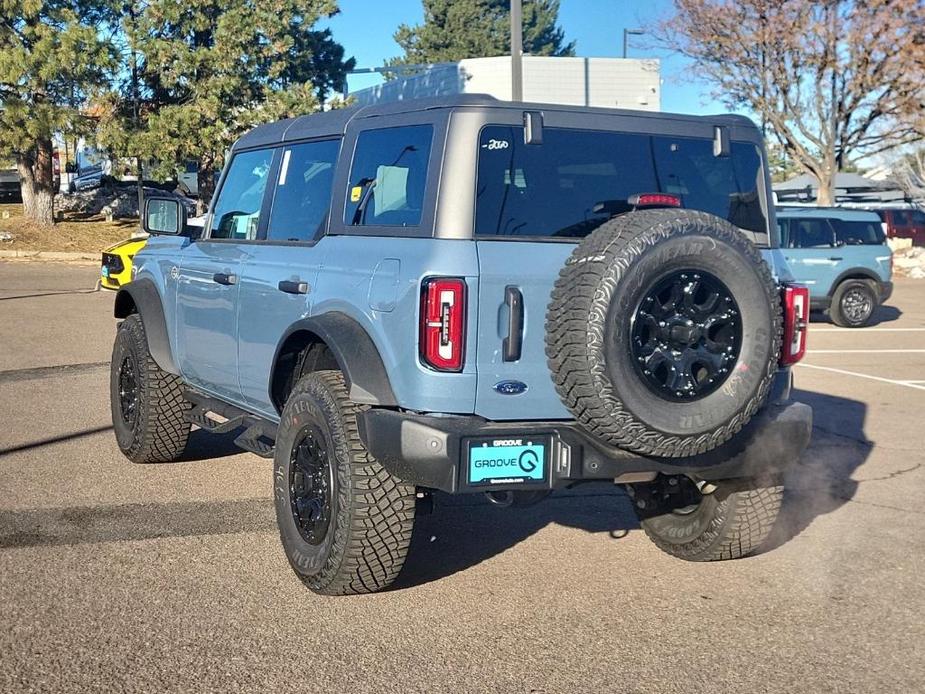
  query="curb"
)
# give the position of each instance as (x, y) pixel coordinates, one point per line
(50, 255)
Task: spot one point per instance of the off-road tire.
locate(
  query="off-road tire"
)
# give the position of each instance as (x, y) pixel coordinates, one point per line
(588, 324)
(836, 310)
(372, 512)
(728, 523)
(159, 431)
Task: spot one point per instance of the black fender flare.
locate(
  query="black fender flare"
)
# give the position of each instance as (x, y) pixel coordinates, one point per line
(142, 297)
(355, 352)
(853, 273)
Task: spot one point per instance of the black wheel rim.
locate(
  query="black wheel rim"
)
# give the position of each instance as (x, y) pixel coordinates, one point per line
(686, 335)
(128, 391)
(856, 305)
(310, 484)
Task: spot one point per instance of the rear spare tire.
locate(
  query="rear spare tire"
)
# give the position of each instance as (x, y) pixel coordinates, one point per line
(663, 332)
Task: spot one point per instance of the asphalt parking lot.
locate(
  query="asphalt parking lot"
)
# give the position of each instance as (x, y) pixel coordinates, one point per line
(120, 577)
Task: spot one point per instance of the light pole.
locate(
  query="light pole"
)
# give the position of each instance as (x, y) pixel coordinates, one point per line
(517, 46)
(626, 35)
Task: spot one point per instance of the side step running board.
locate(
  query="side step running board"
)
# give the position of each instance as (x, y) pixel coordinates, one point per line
(218, 417)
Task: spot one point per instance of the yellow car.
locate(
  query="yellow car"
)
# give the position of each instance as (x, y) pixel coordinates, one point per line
(117, 263)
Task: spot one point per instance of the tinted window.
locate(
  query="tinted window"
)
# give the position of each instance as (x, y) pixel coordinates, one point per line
(810, 233)
(918, 217)
(303, 191)
(389, 176)
(237, 209)
(857, 233)
(577, 180)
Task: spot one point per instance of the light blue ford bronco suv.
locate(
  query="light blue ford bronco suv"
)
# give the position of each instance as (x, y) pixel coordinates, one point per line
(475, 296)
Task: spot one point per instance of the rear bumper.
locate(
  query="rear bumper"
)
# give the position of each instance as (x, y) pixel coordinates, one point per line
(428, 450)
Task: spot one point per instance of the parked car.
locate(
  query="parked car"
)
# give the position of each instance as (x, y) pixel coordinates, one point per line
(842, 256)
(116, 266)
(10, 190)
(477, 297)
(906, 223)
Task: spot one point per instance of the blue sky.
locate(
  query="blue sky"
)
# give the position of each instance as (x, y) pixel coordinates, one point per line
(365, 29)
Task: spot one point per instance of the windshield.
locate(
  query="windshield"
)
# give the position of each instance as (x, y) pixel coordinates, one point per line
(578, 179)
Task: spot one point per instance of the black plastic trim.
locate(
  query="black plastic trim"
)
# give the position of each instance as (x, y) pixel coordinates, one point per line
(356, 355)
(141, 296)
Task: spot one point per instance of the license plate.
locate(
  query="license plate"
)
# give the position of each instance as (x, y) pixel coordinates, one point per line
(508, 461)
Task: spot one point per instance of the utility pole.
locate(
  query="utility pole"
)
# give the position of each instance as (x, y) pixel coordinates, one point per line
(517, 49)
(130, 9)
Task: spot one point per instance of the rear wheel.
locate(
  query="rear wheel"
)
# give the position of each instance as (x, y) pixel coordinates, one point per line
(344, 521)
(148, 405)
(853, 304)
(701, 521)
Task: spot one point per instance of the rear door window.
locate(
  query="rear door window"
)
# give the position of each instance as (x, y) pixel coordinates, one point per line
(857, 233)
(810, 233)
(389, 176)
(237, 209)
(302, 195)
(578, 179)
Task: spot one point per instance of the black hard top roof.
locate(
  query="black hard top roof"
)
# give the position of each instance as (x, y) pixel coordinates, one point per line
(333, 123)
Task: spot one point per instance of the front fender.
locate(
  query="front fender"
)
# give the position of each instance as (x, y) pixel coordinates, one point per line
(142, 297)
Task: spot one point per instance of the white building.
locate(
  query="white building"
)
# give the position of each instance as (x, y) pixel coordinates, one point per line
(605, 82)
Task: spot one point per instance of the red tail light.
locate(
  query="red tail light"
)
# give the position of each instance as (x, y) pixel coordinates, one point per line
(795, 298)
(443, 323)
(654, 200)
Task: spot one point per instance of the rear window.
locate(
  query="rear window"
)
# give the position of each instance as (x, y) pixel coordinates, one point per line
(578, 179)
(856, 233)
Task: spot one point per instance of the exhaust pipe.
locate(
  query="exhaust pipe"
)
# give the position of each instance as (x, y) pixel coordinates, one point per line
(502, 499)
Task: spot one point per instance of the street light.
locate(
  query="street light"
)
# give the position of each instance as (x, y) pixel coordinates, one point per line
(626, 35)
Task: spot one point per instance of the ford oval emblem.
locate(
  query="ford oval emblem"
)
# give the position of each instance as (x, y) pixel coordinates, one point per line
(510, 387)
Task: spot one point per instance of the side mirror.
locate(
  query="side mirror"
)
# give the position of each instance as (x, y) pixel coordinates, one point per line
(70, 168)
(164, 216)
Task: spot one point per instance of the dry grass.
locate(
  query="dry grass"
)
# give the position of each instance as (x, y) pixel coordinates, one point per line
(75, 234)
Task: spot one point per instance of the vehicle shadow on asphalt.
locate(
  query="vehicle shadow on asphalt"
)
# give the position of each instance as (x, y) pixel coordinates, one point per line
(882, 314)
(821, 482)
(467, 530)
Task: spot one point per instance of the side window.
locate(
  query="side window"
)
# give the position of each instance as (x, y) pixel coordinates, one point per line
(237, 209)
(303, 191)
(388, 176)
(811, 233)
(918, 217)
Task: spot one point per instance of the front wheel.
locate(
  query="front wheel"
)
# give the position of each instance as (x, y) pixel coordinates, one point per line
(344, 521)
(702, 521)
(853, 304)
(148, 405)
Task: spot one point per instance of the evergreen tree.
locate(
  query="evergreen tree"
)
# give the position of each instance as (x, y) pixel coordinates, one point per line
(458, 29)
(212, 69)
(53, 55)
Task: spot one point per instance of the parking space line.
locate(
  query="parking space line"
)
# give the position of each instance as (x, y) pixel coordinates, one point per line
(866, 351)
(905, 384)
(861, 331)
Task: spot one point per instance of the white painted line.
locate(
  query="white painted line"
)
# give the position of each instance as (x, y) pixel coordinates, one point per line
(862, 331)
(904, 384)
(913, 381)
(866, 351)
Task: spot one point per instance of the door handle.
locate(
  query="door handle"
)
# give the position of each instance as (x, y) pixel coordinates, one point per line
(512, 346)
(835, 259)
(225, 278)
(293, 287)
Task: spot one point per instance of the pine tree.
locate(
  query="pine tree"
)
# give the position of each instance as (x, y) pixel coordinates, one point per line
(53, 55)
(212, 69)
(458, 29)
